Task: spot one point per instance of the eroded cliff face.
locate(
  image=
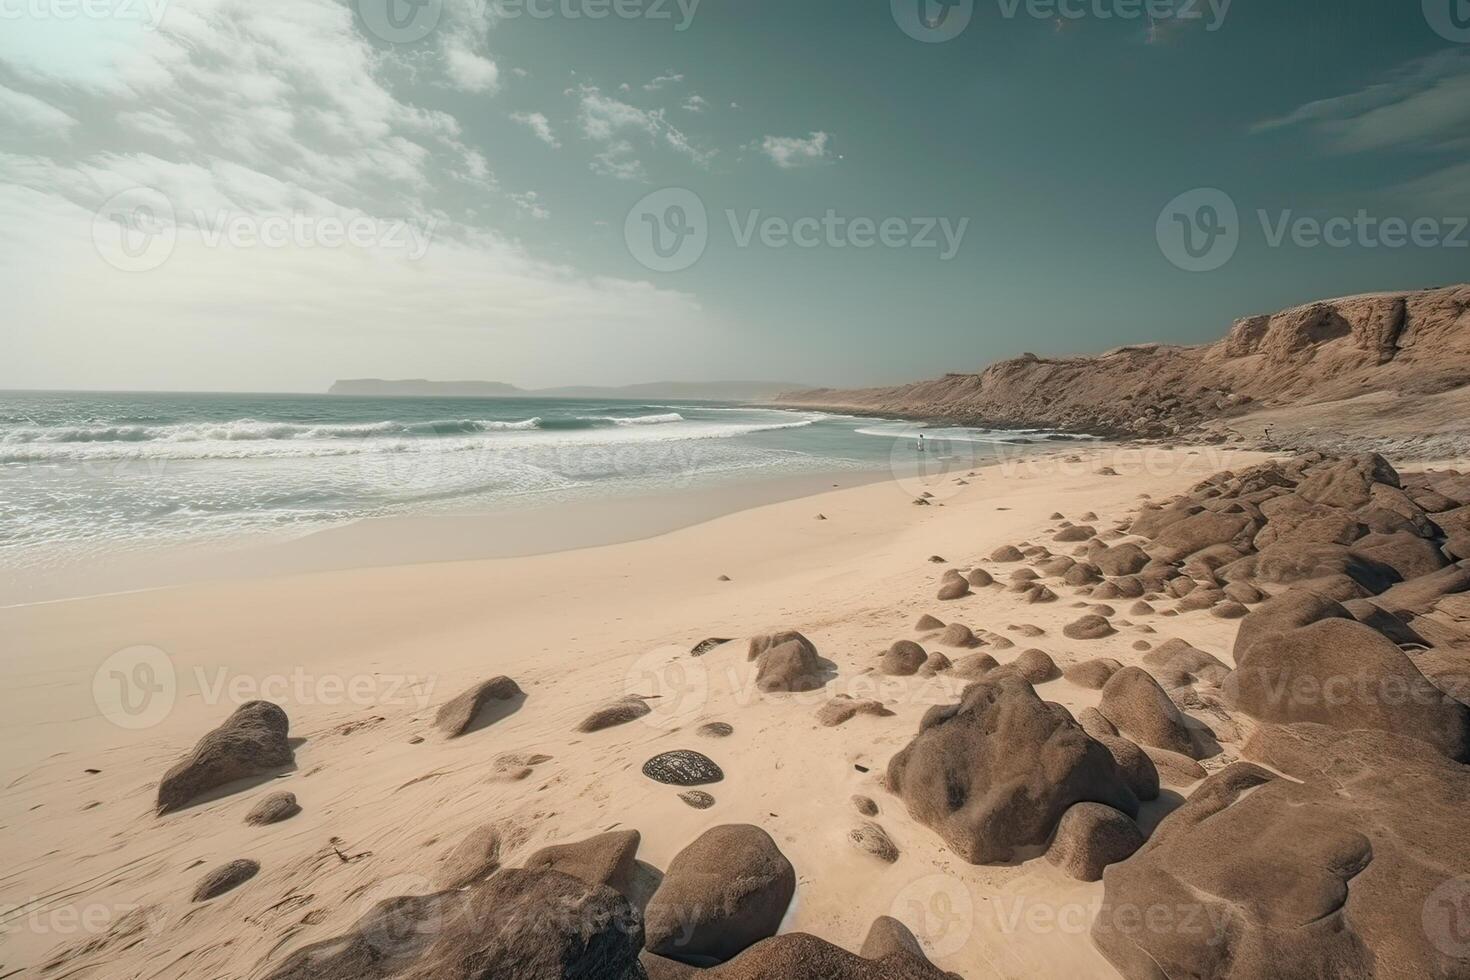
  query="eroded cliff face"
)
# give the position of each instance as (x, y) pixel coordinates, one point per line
(1408, 343)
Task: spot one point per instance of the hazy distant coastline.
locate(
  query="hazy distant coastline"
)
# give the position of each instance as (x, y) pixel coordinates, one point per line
(729, 391)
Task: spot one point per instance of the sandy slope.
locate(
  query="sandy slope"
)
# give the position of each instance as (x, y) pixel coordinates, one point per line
(574, 629)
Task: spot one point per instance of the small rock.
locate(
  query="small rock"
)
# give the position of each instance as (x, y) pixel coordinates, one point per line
(273, 809)
(698, 798)
(873, 839)
(224, 878)
(683, 767)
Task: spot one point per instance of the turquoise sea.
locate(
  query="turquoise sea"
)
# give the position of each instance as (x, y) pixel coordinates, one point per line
(87, 472)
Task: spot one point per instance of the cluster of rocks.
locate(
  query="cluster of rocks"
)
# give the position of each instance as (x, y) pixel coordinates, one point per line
(583, 910)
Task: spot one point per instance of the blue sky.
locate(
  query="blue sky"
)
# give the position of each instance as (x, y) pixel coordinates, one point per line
(494, 161)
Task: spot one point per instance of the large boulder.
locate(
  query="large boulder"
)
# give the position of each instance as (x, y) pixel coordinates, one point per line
(1175, 663)
(725, 891)
(1409, 555)
(1343, 674)
(1419, 596)
(760, 644)
(1121, 559)
(995, 772)
(1291, 609)
(890, 952)
(1287, 564)
(1135, 705)
(518, 924)
(1292, 520)
(1347, 483)
(606, 859)
(1347, 869)
(1181, 539)
(251, 742)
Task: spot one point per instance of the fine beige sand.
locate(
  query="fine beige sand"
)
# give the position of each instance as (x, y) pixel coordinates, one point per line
(360, 660)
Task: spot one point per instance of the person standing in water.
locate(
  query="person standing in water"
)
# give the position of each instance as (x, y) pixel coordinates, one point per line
(921, 442)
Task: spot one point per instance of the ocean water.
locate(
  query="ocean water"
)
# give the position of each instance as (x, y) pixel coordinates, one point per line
(83, 474)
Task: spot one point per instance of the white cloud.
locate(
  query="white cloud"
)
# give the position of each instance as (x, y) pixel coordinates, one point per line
(1423, 104)
(610, 121)
(663, 80)
(470, 72)
(695, 103)
(269, 110)
(788, 152)
(32, 115)
(530, 204)
(538, 124)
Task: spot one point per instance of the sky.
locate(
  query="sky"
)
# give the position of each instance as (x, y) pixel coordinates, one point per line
(267, 195)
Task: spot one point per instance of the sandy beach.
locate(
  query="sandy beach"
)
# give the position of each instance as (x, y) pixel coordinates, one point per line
(360, 659)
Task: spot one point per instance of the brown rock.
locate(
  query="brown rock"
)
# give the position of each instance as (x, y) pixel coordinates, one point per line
(1092, 674)
(482, 705)
(725, 891)
(1090, 837)
(870, 838)
(903, 659)
(273, 809)
(1001, 735)
(473, 859)
(606, 859)
(1344, 675)
(1088, 628)
(251, 742)
(224, 878)
(1135, 704)
(618, 712)
(791, 666)
(843, 708)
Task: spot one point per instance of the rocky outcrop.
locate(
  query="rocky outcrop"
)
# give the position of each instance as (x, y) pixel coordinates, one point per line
(993, 774)
(1349, 868)
(1410, 343)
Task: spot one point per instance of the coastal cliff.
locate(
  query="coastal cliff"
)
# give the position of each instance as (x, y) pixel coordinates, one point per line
(1407, 345)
